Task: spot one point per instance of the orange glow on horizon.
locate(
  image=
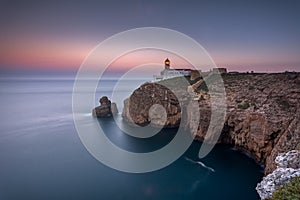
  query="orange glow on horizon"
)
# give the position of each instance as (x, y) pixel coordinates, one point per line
(63, 55)
(37, 53)
(41, 54)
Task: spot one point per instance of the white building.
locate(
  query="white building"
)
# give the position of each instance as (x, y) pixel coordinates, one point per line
(171, 73)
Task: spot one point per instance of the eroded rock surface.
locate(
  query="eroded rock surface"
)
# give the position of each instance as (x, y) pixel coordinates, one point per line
(262, 117)
(288, 168)
(140, 107)
(106, 108)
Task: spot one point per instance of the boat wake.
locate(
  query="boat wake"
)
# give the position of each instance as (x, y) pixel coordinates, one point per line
(200, 163)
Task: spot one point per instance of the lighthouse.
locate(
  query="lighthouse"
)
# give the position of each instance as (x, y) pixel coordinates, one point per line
(167, 64)
(171, 73)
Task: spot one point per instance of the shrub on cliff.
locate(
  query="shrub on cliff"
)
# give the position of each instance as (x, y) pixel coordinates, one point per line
(290, 191)
(283, 104)
(244, 105)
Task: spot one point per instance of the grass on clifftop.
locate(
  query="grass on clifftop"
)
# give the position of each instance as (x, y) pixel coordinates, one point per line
(290, 191)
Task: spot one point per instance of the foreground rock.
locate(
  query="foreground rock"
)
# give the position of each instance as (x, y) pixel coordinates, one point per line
(262, 118)
(288, 168)
(106, 108)
(152, 103)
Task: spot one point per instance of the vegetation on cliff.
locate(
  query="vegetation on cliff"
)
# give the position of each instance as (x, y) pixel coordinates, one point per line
(289, 191)
(281, 183)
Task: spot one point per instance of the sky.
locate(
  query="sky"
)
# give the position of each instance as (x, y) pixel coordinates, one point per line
(240, 35)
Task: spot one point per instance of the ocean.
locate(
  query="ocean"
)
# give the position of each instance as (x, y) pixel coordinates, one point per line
(42, 157)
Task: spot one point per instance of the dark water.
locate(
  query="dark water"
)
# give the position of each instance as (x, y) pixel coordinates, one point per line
(42, 157)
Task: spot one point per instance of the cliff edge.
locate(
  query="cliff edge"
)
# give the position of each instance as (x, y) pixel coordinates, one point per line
(262, 117)
(288, 168)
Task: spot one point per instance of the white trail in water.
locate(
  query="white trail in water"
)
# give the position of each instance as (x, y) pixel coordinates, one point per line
(200, 163)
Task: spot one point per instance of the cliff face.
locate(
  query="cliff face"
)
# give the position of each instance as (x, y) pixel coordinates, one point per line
(141, 107)
(156, 104)
(263, 115)
(262, 118)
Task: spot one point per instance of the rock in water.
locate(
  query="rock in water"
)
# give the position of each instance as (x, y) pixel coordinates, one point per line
(106, 108)
(114, 108)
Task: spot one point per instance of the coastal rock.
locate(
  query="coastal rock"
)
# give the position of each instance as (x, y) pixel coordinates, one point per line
(262, 117)
(152, 103)
(106, 108)
(290, 159)
(288, 168)
(288, 140)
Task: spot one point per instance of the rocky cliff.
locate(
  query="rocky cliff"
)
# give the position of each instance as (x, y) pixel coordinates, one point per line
(288, 167)
(262, 117)
(140, 107)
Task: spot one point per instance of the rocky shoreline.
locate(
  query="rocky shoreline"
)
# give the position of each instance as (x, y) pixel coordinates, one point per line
(262, 117)
(288, 167)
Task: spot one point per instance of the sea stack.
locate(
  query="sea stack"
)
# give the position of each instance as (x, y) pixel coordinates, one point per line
(106, 108)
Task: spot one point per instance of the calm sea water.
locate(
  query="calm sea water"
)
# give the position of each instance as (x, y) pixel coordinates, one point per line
(42, 157)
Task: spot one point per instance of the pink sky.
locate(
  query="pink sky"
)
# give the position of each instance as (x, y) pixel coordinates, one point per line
(68, 54)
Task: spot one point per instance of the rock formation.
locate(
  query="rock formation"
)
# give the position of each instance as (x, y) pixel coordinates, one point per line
(106, 108)
(262, 118)
(288, 168)
(141, 104)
